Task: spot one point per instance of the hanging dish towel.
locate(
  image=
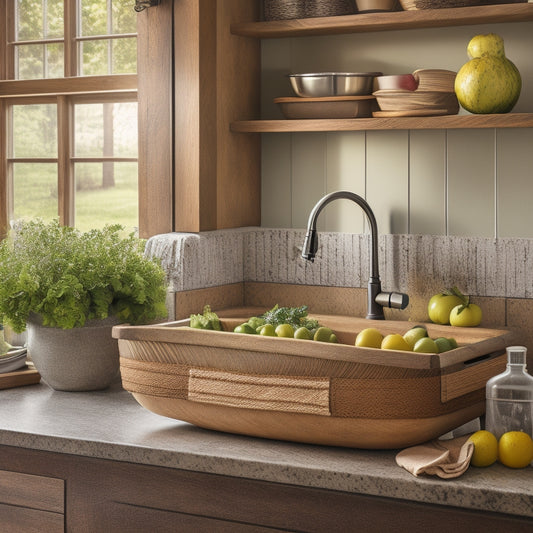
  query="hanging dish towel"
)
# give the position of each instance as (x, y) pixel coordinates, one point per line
(443, 458)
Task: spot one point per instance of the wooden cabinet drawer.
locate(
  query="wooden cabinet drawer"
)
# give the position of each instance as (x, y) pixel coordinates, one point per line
(31, 503)
(24, 520)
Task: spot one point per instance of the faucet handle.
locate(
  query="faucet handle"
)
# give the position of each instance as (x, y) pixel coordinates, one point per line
(394, 300)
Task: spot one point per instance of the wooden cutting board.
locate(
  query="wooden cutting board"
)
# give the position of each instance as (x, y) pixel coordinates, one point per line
(18, 378)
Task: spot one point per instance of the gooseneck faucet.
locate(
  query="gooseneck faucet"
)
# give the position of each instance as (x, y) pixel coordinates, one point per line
(376, 298)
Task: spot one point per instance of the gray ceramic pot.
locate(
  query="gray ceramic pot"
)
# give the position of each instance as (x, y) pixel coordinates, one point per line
(77, 359)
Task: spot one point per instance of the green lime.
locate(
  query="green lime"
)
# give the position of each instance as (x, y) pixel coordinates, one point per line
(333, 338)
(267, 330)
(285, 330)
(443, 344)
(322, 334)
(245, 328)
(256, 322)
(453, 342)
(303, 333)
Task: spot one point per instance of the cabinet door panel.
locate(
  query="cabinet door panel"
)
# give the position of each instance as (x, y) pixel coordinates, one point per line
(133, 519)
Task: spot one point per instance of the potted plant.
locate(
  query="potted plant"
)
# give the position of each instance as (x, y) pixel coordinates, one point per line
(68, 289)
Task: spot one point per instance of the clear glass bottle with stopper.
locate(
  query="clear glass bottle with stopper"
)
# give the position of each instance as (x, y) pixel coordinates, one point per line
(510, 396)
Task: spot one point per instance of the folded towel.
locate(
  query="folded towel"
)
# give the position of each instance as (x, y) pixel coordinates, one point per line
(443, 458)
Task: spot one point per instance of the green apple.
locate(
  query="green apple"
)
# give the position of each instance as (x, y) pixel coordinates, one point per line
(267, 330)
(323, 334)
(303, 333)
(426, 345)
(415, 334)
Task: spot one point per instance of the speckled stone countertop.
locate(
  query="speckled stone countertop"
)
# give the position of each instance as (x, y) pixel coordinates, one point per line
(112, 425)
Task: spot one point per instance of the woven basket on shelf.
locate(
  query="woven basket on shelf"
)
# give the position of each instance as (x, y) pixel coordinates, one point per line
(328, 8)
(283, 9)
(294, 9)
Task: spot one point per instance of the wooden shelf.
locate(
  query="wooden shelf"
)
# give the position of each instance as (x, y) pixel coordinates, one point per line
(396, 20)
(509, 120)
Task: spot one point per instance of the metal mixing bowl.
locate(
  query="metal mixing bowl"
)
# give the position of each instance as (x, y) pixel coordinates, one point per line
(321, 84)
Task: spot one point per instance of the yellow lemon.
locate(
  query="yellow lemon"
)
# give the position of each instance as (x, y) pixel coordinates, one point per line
(395, 341)
(414, 334)
(515, 449)
(485, 448)
(369, 338)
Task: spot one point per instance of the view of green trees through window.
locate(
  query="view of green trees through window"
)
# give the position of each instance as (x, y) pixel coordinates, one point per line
(101, 132)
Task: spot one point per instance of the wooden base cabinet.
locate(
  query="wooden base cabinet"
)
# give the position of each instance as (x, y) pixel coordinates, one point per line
(111, 496)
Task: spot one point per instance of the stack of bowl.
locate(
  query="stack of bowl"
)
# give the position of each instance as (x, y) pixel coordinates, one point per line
(425, 92)
(330, 95)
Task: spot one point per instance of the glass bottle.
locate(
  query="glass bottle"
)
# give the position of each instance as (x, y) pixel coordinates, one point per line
(509, 396)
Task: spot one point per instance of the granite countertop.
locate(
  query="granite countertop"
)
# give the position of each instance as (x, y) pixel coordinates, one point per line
(112, 425)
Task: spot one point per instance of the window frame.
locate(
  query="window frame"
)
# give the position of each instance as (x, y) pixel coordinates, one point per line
(65, 92)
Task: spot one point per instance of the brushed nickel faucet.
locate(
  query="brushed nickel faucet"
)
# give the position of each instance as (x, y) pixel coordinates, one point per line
(377, 299)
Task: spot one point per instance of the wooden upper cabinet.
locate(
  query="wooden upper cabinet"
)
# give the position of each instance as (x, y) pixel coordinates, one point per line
(195, 78)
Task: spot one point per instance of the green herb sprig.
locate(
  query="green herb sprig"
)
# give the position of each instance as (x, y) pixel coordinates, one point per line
(295, 316)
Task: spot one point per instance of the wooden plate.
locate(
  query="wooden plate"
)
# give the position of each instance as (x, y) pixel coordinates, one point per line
(330, 107)
(411, 113)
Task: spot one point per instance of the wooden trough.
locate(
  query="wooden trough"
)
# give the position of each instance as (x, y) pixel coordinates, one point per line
(308, 391)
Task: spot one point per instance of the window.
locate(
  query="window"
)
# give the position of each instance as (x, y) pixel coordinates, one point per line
(68, 112)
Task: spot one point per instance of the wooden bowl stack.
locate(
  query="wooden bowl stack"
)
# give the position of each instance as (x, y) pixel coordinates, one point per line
(409, 5)
(434, 95)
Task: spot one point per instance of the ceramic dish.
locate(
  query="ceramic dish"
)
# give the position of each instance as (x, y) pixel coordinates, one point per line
(13, 360)
(332, 107)
(374, 6)
(394, 82)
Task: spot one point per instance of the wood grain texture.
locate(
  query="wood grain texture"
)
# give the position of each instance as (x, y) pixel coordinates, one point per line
(104, 495)
(400, 20)
(332, 431)
(155, 116)
(22, 519)
(19, 378)
(310, 391)
(32, 491)
(510, 120)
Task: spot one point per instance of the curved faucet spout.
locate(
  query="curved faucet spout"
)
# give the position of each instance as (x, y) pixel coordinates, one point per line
(376, 298)
(311, 239)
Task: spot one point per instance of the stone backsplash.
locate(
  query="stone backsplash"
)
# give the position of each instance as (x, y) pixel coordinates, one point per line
(496, 273)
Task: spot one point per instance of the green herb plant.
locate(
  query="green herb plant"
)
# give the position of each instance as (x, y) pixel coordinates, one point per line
(295, 316)
(67, 276)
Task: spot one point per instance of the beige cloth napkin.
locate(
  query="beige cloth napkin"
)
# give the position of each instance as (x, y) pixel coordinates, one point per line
(443, 458)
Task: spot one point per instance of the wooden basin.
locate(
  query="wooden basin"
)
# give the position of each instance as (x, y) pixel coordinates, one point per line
(307, 391)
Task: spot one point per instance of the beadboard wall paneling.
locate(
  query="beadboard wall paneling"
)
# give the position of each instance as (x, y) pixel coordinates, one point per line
(345, 170)
(455, 182)
(471, 183)
(427, 182)
(276, 181)
(387, 179)
(308, 171)
(514, 186)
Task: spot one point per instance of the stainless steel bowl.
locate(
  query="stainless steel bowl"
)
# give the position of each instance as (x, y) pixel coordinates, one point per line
(322, 84)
